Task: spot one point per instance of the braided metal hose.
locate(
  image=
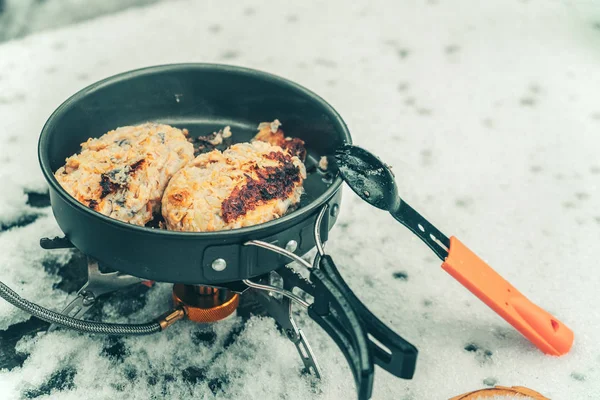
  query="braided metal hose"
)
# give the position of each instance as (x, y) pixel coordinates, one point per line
(77, 324)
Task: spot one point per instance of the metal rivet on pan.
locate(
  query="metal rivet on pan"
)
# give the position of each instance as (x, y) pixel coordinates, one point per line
(219, 264)
(291, 246)
(334, 210)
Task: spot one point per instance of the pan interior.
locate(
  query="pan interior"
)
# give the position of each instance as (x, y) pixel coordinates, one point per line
(202, 98)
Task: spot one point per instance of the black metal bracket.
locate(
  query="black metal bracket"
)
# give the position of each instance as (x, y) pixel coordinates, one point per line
(56, 243)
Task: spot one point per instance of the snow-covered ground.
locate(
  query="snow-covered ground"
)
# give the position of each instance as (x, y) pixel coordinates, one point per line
(489, 113)
(19, 18)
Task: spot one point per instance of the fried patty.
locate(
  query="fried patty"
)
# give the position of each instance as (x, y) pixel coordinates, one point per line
(247, 184)
(123, 173)
(271, 132)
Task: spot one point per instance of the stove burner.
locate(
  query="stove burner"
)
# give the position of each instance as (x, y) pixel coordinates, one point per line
(205, 303)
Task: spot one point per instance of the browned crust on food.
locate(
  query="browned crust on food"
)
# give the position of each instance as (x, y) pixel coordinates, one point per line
(136, 165)
(272, 183)
(294, 146)
(278, 156)
(107, 186)
(179, 197)
(93, 204)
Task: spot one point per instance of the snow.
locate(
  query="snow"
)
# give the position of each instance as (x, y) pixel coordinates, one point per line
(22, 261)
(22, 17)
(488, 113)
(11, 202)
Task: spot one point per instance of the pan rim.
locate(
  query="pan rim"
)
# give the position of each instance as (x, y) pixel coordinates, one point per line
(297, 215)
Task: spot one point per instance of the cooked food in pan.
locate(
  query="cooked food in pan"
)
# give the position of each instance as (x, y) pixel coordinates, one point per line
(271, 132)
(247, 184)
(127, 173)
(217, 140)
(123, 173)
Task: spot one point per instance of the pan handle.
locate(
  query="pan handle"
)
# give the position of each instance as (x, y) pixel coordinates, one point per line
(333, 312)
(390, 350)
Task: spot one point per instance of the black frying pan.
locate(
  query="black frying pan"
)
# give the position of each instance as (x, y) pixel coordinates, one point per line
(202, 98)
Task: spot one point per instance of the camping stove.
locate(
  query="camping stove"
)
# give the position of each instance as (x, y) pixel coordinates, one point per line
(318, 287)
(201, 303)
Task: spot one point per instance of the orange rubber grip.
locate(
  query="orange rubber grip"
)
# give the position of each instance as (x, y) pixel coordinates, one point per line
(543, 330)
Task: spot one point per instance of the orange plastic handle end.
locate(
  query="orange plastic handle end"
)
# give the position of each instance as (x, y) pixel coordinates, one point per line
(543, 330)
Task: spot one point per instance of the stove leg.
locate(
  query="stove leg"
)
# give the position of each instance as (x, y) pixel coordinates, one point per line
(303, 346)
(281, 311)
(97, 285)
